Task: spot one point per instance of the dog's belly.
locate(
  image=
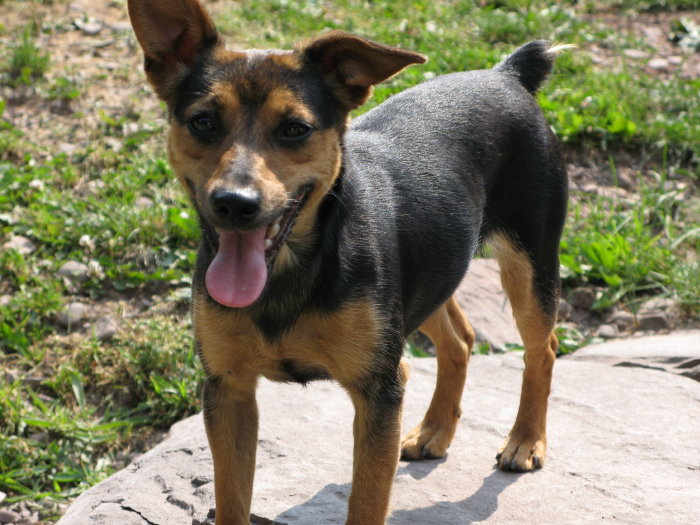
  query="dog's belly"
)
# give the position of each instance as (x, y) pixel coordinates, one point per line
(299, 372)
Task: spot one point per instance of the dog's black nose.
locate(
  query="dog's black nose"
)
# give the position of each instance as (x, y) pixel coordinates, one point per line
(236, 208)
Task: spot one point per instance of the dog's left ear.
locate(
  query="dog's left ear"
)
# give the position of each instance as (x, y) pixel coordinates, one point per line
(173, 34)
(354, 64)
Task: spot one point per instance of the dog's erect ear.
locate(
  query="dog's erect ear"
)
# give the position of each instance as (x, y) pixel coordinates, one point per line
(354, 64)
(172, 33)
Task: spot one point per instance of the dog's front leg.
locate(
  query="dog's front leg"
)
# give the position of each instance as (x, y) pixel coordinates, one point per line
(231, 420)
(377, 432)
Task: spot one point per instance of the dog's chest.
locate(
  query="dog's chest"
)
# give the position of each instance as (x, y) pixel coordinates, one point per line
(341, 343)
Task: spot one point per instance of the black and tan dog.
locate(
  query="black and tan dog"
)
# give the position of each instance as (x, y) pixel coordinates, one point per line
(324, 245)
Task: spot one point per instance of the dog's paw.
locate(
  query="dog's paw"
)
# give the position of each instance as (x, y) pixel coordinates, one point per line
(522, 455)
(425, 442)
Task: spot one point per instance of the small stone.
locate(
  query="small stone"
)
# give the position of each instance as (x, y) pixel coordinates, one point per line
(201, 480)
(91, 188)
(658, 313)
(8, 516)
(24, 513)
(105, 328)
(74, 270)
(5, 300)
(67, 148)
(657, 304)
(636, 54)
(659, 64)
(654, 321)
(623, 320)
(607, 331)
(120, 26)
(2, 496)
(72, 315)
(89, 27)
(565, 310)
(582, 298)
(20, 244)
(143, 203)
(675, 60)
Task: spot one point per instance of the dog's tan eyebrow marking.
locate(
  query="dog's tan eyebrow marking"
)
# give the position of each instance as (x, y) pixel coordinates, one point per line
(224, 96)
(283, 103)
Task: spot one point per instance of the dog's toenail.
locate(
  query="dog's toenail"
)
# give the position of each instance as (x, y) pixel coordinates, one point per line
(426, 453)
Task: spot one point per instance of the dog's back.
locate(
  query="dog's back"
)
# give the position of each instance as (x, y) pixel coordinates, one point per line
(460, 158)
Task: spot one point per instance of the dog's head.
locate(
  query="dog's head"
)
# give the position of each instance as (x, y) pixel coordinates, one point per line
(255, 136)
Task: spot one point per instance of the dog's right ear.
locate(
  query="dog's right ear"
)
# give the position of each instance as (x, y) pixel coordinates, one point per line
(172, 33)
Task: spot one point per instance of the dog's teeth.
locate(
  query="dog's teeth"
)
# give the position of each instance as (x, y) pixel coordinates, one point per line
(268, 244)
(274, 230)
(277, 222)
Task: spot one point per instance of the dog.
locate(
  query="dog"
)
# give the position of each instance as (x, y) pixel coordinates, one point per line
(325, 244)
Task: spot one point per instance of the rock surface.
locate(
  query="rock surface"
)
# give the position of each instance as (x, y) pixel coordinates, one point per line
(678, 353)
(624, 446)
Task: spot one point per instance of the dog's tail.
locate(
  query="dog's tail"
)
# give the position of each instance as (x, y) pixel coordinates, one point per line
(531, 63)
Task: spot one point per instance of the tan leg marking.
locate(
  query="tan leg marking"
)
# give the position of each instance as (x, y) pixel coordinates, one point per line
(231, 420)
(526, 445)
(377, 432)
(453, 337)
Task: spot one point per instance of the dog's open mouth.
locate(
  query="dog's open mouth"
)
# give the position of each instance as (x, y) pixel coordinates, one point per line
(237, 275)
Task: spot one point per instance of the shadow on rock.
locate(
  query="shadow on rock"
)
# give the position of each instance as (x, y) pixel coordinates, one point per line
(330, 504)
(420, 469)
(477, 507)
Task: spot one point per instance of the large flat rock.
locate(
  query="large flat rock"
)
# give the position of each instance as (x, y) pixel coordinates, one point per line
(624, 446)
(678, 353)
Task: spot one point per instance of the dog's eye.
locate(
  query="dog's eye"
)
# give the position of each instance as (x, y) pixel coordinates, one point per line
(295, 131)
(202, 123)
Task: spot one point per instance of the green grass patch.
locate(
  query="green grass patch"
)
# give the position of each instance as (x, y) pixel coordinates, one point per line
(71, 412)
(28, 61)
(632, 249)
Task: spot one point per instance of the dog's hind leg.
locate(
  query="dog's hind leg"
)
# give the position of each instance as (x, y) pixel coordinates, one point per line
(531, 281)
(453, 337)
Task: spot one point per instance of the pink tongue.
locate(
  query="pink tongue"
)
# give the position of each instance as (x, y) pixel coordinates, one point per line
(237, 275)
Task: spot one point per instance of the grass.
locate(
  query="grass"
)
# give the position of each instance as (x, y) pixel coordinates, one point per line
(634, 248)
(28, 61)
(94, 398)
(74, 408)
